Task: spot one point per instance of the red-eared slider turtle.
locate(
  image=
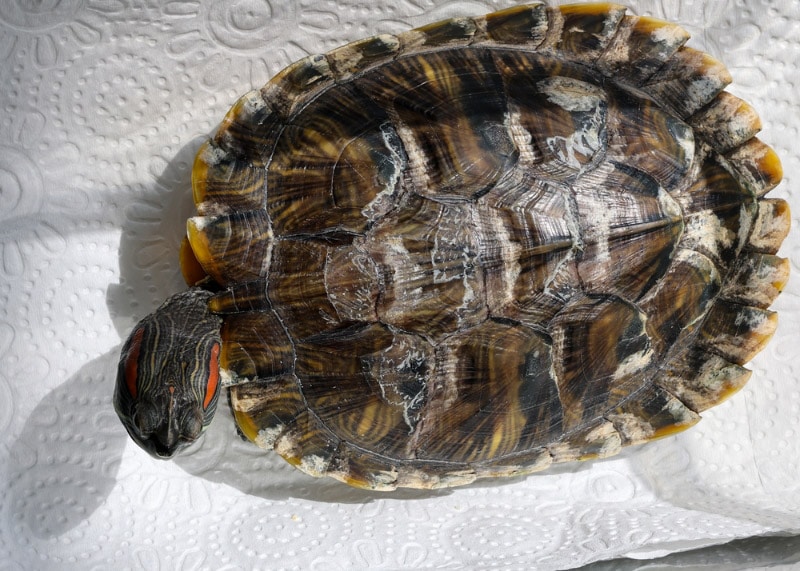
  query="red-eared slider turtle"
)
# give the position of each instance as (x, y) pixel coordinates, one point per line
(472, 249)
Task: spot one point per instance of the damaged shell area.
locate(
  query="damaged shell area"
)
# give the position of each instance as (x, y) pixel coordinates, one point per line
(487, 245)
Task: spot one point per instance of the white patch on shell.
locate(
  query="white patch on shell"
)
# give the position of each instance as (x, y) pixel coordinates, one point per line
(346, 58)
(633, 363)
(314, 465)
(286, 444)
(229, 378)
(382, 202)
(768, 226)
(669, 35)
(596, 212)
(702, 90)
(555, 281)
(200, 222)
(602, 432)
(570, 94)
(384, 479)
(267, 437)
(417, 161)
(399, 373)
(253, 103)
(451, 270)
(520, 136)
(634, 428)
(213, 155)
(754, 321)
(354, 301)
(705, 232)
(669, 206)
(714, 373)
(400, 260)
(620, 51)
(509, 255)
(601, 218)
(575, 96)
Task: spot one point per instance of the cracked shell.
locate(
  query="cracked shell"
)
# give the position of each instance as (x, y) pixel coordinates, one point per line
(486, 245)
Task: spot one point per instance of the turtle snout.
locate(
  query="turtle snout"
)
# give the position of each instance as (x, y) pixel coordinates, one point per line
(165, 442)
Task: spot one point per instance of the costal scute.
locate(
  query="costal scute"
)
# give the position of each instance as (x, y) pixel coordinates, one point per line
(484, 246)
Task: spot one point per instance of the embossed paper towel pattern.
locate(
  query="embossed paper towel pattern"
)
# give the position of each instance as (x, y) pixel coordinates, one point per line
(104, 105)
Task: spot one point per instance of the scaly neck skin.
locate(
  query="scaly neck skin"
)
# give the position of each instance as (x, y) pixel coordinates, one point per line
(168, 374)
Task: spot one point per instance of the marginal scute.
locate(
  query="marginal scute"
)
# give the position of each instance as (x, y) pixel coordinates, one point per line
(737, 332)
(297, 84)
(756, 166)
(453, 32)
(247, 128)
(363, 470)
(525, 25)
(223, 182)
(307, 444)
(191, 270)
(687, 81)
(771, 225)
(598, 439)
(584, 30)
(264, 407)
(756, 279)
(360, 55)
(520, 464)
(233, 247)
(726, 122)
(701, 379)
(639, 48)
(651, 413)
(486, 245)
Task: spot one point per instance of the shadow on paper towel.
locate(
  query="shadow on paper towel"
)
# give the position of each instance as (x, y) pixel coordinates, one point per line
(65, 462)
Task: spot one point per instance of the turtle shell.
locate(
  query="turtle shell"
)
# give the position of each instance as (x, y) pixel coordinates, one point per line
(487, 245)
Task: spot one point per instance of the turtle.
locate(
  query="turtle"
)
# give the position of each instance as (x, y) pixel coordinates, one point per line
(473, 249)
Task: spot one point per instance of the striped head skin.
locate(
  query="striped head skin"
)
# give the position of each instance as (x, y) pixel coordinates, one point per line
(168, 374)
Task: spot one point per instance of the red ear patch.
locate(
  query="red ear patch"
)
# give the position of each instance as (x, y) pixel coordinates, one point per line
(213, 376)
(132, 362)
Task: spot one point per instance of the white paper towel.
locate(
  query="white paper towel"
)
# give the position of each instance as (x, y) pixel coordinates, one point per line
(104, 105)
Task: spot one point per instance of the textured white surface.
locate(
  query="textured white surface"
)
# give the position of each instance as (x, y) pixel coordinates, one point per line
(104, 103)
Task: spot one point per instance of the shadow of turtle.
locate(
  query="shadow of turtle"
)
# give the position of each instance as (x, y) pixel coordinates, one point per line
(64, 464)
(153, 226)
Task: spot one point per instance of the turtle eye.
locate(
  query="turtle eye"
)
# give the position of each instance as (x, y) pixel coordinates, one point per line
(213, 376)
(132, 363)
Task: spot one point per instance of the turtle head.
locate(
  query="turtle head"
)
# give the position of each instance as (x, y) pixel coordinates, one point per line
(168, 374)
